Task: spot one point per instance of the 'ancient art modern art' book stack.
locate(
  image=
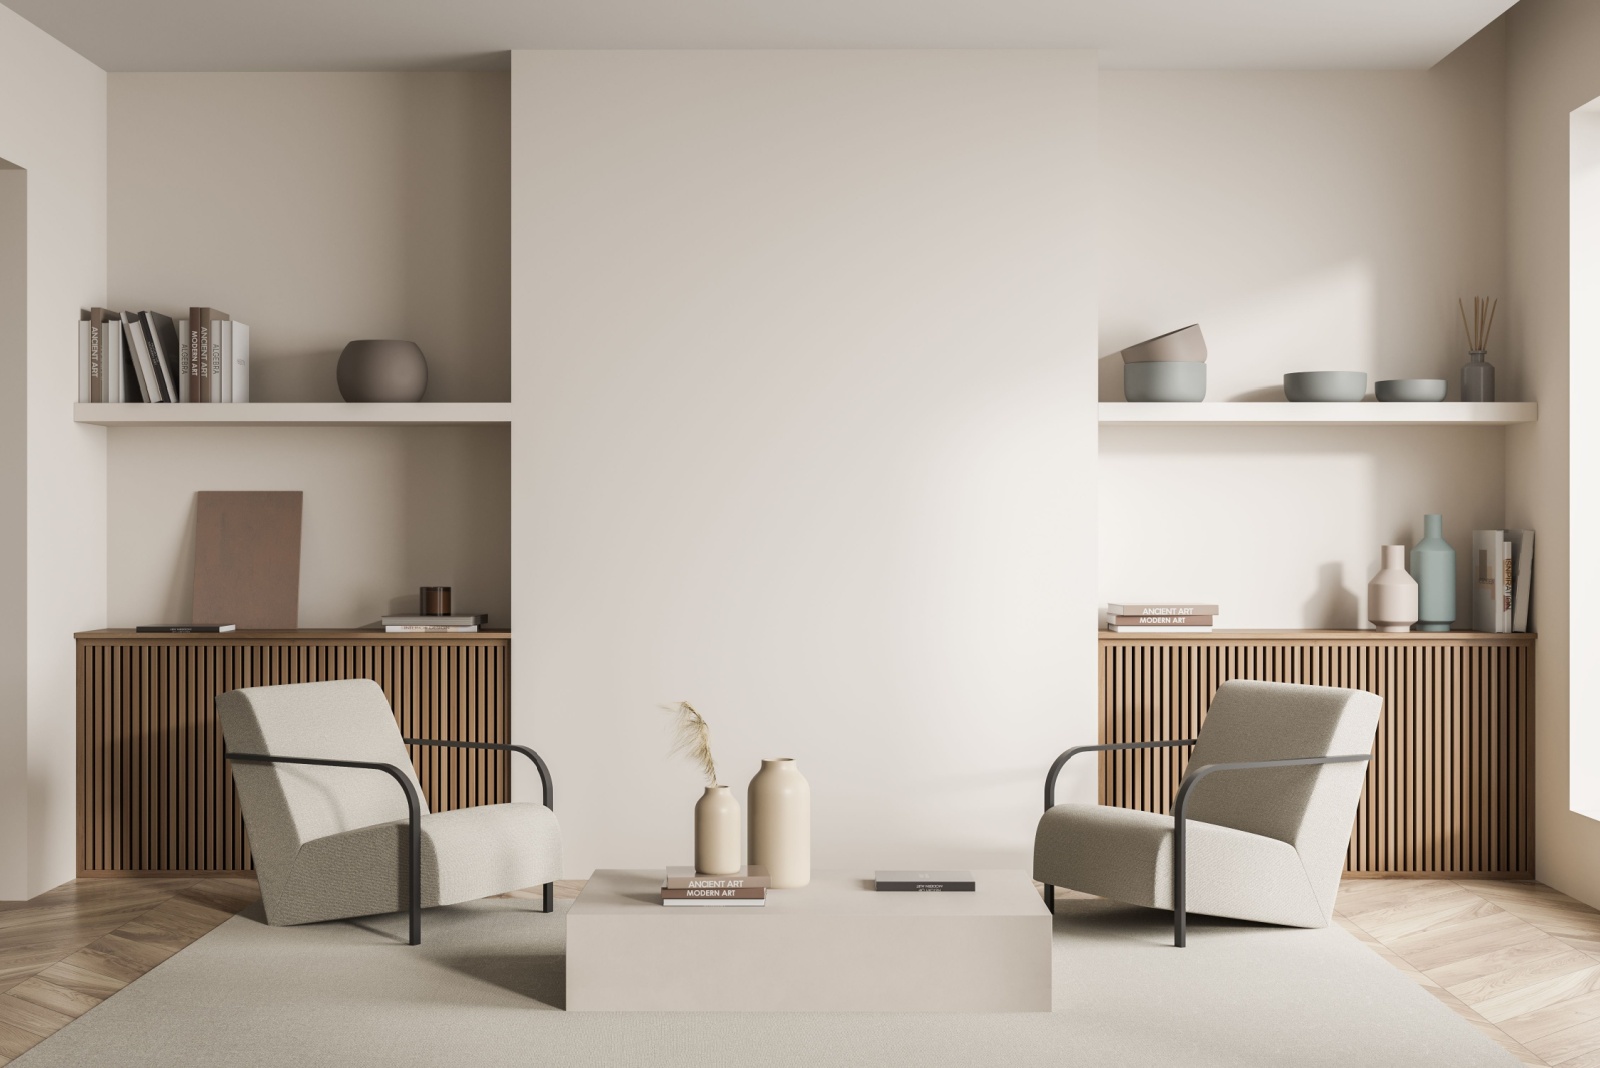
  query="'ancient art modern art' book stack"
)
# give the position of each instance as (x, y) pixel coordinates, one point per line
(1160, 618)
(745, 887)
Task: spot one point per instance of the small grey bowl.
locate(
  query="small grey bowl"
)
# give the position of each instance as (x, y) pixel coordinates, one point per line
(1178, 380)
(1410, 389)
(376, 371)
(1182, 345)
(1322, 386)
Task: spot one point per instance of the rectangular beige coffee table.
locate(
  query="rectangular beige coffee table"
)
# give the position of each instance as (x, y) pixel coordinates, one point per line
(833, 946)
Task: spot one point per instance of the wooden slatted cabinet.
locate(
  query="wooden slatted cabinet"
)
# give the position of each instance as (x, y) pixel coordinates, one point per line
(1449, 791)
(156, 797)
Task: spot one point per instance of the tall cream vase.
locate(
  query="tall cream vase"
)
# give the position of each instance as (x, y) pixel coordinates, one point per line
(716, 832)
(780, 823)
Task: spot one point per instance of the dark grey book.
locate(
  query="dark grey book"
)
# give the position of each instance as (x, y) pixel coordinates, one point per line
(925, 881)
(185, 628)
(163, 334)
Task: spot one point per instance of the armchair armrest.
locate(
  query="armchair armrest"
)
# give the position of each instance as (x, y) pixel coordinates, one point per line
(1191, 779)
(546, 789)
(413, 805)
(1061, 761)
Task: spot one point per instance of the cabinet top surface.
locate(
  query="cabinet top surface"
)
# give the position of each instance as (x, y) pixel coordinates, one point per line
(310, 634)
(1451, 636)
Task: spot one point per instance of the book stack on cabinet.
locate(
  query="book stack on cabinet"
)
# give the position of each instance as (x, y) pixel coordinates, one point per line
(746, 888)
(1147, 617)
(1502, 580)
(145, 357)
(434, 624)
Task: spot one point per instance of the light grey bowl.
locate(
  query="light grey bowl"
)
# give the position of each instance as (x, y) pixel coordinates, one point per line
(1178, 380)
(1410, 389)
(1325, 386)
(1184, 345)
(378, 371)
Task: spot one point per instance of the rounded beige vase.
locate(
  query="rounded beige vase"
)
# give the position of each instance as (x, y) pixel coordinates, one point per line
(780, 823)
(1392, 593)
(716, 832)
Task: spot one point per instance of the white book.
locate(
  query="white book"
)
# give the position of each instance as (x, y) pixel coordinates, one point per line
(217, 361)
(111, 359)
(1521, 578)
(239, 375)
(83, 361)
(1503, 622)
(224, 371)
(148, 380)
(1488, 552)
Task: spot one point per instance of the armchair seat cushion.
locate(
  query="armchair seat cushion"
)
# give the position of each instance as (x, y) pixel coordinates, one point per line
(1126, 854)
(467, 853)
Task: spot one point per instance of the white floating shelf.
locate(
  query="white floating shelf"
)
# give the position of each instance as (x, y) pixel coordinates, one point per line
(1285, 413)
(310, 414)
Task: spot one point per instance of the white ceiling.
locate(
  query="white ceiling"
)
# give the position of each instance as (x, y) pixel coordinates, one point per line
(182, 35)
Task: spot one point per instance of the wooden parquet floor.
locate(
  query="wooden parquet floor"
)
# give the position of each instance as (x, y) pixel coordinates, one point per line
(1519, 961)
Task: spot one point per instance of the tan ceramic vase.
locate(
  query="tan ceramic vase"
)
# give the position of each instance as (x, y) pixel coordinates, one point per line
(780, 823)
(716, 832)
(1392, 593)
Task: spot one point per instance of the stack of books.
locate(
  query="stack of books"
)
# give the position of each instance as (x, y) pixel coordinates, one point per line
(1502, 580)
(1154, 618)
(746, 887)
(133, 357)
(434, 624)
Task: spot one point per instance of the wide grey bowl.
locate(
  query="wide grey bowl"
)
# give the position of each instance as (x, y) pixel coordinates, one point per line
(376, 371)
(1183, 345)
(1410, 389)
(1179, 380)
(1325, 385)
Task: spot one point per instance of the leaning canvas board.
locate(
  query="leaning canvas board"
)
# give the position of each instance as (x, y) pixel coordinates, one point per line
(247, 559)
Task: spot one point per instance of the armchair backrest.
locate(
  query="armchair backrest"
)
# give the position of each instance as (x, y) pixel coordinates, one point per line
(287, 805)
(1311, 808)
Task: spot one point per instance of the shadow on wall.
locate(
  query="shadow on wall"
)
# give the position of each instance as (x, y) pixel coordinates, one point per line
(1332, 606)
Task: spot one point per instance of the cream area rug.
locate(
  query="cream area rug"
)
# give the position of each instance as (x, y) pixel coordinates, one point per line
(486, 988)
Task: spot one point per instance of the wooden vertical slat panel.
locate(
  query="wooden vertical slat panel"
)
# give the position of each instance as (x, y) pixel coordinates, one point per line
(1448, 791)
(154, 794)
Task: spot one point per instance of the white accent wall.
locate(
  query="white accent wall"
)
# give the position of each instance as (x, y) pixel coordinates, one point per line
(1553, 73)
(804, 433)
(1307, 221)
(52, 471)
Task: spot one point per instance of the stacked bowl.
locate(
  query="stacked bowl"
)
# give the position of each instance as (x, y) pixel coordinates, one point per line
(1171, 367)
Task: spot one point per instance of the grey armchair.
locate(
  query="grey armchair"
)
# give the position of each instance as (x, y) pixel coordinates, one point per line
(337, 822)
(1260, 823)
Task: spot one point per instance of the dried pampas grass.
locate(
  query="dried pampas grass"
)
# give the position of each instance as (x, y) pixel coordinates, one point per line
(692, 737)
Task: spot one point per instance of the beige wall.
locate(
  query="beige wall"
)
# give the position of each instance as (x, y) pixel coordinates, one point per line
(387, 509)
(355, 205)
(1307, 220)
(804, 434)
(1553, 44)
(52, 125)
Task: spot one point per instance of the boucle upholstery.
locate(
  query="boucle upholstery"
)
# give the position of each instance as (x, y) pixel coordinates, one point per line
(331, 842)
(1263, 845)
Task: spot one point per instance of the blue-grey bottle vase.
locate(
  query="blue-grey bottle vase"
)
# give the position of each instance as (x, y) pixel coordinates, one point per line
(1433, 565)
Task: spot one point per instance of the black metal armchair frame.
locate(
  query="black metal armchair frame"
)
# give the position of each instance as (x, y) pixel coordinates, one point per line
(414, 808)
(1180, 823)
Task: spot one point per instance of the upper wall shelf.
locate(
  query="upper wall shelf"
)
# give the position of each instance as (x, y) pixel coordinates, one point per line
(1285, 413)
(309, 414)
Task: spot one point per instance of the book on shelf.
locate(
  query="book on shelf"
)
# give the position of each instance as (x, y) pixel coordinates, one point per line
(185, 628)
(102, 357)
(399, 628)
(751, 877)
(1160, 621)
(1491, 582)
(138, 344)
(162, 334)
(479, 620)
(1121, 628)
(924, 881)
(731, 893)
(1163, 608)
(1521, 578)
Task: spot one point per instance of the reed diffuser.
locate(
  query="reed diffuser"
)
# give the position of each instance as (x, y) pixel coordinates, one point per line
(1477, 377)
(717, 845)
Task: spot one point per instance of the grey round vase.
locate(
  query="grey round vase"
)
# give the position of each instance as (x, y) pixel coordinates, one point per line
(1477, 378)
(377, 371)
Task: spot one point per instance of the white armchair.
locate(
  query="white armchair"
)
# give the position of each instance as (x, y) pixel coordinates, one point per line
(1260, 823)
(337, 822)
